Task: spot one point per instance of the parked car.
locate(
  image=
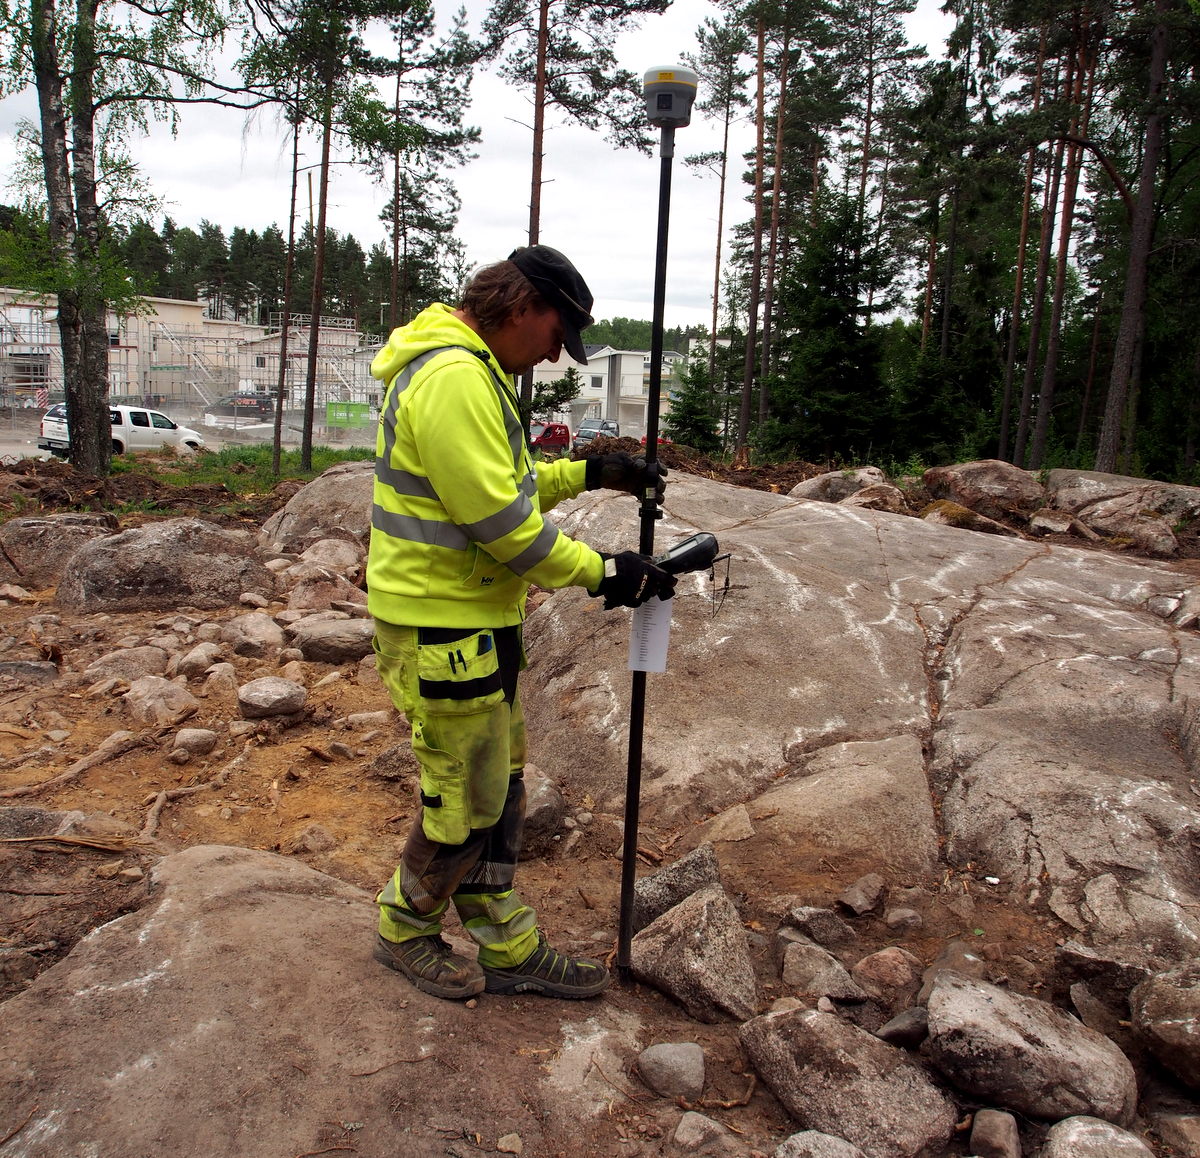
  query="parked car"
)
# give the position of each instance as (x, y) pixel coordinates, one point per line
(589, 428)
(133, 428)
(549, 437)
(663, 440)
(245, 404)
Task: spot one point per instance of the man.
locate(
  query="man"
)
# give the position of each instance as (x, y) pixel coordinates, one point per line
(457, 537)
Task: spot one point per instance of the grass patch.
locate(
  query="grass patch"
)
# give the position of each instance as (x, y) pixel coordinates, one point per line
(241, 469)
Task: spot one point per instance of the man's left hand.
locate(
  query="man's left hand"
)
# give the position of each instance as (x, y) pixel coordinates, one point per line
(623, 472)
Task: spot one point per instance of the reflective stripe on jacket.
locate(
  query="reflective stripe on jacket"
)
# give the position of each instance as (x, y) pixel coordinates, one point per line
(457, 534)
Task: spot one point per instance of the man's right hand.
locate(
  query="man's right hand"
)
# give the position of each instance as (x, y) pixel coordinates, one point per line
(631, 579)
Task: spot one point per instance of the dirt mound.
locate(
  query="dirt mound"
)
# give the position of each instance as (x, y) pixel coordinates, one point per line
(39, 486)
(778, 477)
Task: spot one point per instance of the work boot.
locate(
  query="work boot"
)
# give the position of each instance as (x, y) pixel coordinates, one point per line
(432, 966)
(549, 972)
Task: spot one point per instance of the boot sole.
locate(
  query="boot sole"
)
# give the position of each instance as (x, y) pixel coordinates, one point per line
(462, 992)
(503, 986)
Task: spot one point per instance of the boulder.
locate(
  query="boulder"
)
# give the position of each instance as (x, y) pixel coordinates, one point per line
(128, 663)
(838, 485)
(346, 557)
(991, 487)
(697, 954)
(892, 976)
(156, 701)
(35, 550)
(334, 641)
(1077, 490)
(880, 497)
(254, 634)
(814, 1144)
(1126, 518)
(664, 888)
(832, 1076)
(1085, 1137)
(1042, 690)
(199, 1022)
(1165, 1010)
(1024, 1054)
(168, 564)
(810, 971)
(196, 662)
(946, 513)
(337, 503)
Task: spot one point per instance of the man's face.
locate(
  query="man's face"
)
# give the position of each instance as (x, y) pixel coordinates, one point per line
(530, 336)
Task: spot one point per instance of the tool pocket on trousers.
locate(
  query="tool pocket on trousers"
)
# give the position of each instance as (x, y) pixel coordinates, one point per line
(444, 815)
(458, 672)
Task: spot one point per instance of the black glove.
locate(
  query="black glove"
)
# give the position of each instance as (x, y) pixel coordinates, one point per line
(623, 472)
(630, 579)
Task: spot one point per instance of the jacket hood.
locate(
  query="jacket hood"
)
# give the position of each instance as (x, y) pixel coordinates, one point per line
(431, 329)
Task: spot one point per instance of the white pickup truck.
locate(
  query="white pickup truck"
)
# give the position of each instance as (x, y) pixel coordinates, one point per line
(133, 428)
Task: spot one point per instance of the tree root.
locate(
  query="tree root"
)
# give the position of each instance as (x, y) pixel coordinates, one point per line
(159, 801)
(715, 1104)
(117, 744)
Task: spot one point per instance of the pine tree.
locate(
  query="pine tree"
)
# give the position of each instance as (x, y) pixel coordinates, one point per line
(692, 419)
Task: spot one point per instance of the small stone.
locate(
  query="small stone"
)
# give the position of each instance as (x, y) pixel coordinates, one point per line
(906, 1030)
(379, 719)
(902, 919)
(865, 895)
(673, 1069)
(337, 748)
(198, 741)
(252, 599)
(510, 1144)
(270, 696)
(133, 873)
(58, 735)
(179, 756)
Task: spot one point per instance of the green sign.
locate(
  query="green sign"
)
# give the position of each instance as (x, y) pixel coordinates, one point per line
(347, 414)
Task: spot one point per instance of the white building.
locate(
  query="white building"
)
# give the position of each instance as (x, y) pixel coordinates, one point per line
(173, 355)
(616, 385)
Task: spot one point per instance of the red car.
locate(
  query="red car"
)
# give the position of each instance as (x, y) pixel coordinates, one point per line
(662, 440)
(549, 437)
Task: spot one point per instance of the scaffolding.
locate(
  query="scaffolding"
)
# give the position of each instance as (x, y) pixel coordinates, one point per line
(175, 358)
(30, 355)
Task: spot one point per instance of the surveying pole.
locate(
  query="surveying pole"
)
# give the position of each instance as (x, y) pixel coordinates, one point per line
(669, 93)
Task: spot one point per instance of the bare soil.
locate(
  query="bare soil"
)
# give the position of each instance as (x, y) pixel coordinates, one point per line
(341, 799)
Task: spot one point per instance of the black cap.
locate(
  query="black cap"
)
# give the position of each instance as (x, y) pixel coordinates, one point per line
(560, 283)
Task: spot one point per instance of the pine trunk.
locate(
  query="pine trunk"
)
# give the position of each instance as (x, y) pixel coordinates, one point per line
(1077, 127)
(318, 286)
(1014, 327)
(289, 266)
(773, 239)
(716, 297)
(1133, 306)
(742, 456)
(1034, 341)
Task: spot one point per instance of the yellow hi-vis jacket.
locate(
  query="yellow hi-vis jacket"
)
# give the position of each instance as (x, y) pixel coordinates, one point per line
(457, 534)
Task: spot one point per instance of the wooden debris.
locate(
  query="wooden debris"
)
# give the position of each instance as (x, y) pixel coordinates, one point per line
(107, 843)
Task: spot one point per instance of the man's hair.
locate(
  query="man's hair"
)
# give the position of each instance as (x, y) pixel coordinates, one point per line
(495, 292)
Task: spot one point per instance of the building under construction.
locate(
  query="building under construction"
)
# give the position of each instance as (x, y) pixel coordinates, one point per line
(173, 357)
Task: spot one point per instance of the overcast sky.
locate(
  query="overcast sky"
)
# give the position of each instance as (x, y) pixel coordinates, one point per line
(599, 204)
